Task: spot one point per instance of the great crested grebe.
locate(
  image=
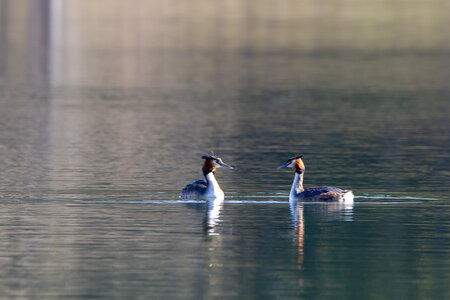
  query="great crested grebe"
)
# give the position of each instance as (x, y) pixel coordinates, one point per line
(319, 193)
(208, 188)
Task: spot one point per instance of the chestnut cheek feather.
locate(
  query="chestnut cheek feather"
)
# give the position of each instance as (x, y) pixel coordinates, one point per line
(208, 166)
(299, 166)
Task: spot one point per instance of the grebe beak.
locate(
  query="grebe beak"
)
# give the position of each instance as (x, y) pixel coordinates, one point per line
(285, 165)
(225, 166)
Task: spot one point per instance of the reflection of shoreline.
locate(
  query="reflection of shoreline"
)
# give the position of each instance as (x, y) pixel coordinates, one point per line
(73, 31)
(330, 211)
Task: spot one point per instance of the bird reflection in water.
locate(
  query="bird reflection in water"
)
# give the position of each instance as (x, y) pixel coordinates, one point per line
(299, 229)
(212, 215)
(211, 208)
(323, 210)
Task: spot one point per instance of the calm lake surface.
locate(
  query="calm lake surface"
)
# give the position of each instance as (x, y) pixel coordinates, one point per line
(106, 108)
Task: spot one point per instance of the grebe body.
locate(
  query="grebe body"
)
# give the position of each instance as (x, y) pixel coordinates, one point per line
(208, 188)
(320, 193)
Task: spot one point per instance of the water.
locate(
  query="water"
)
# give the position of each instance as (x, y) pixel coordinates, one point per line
(105, 112)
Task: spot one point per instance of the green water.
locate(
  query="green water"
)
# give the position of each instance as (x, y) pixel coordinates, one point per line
(105, 111)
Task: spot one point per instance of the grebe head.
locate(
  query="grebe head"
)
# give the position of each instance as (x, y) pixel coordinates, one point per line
(213, 162)
(296, 163)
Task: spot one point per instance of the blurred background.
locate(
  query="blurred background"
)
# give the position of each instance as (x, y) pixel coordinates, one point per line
(149, 86)
(236, 45)
(108, 105)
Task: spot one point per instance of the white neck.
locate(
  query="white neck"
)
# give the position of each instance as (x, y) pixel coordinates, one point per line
(297, 186)
(213, 189)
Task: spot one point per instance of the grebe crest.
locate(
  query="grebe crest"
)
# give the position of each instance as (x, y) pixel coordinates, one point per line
(208, 188)
(320, 193)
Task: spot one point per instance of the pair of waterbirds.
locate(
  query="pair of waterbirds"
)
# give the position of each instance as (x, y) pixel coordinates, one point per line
(209, 187)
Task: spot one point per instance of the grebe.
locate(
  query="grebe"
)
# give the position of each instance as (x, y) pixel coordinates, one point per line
(320, 193)
(208, 188)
